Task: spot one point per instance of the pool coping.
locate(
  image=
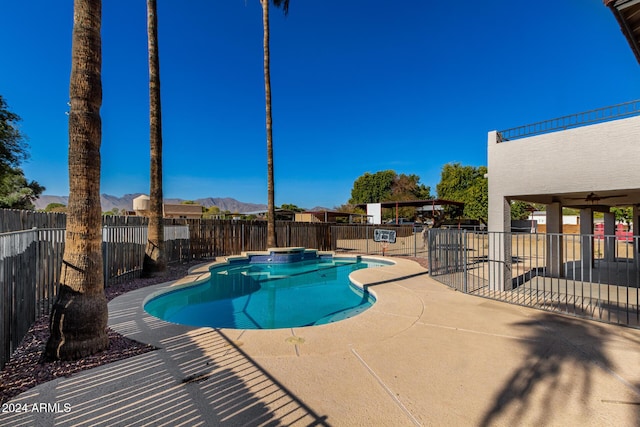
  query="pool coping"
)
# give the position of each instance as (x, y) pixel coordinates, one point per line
(352, 329)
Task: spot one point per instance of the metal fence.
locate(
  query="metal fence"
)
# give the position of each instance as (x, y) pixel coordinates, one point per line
(212, 238)
(589, 276)
(360, 239)
(30, 262)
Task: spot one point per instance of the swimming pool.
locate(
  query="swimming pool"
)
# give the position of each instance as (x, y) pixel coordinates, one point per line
(263, 295)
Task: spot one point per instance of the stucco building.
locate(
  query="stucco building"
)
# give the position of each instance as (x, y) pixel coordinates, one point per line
(169, 210)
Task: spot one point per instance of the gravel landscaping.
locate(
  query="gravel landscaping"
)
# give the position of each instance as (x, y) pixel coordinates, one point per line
(27, 369)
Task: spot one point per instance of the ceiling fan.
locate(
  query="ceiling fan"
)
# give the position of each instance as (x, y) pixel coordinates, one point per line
(593, 197)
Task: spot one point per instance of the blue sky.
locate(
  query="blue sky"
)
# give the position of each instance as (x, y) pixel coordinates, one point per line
(358, 86)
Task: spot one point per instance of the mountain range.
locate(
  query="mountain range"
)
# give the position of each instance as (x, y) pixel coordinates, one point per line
(125, 202)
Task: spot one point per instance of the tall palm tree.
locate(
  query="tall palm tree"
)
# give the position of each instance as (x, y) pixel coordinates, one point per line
(271, 207)
(154, 259)
(79, 317)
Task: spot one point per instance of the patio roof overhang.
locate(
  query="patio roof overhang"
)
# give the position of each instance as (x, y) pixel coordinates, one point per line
(598, 200)
(627, 13)
(414, 203)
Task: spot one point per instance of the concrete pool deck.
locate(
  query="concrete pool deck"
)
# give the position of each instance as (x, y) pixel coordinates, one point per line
(422, 355)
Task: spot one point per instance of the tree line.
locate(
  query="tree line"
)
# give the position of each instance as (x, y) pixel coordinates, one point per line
(458, 183)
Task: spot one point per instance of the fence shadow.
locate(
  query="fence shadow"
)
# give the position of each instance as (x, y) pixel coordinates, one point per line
(562, 355)
(200, 377)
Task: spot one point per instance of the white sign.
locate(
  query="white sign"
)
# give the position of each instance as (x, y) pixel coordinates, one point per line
(388, 236)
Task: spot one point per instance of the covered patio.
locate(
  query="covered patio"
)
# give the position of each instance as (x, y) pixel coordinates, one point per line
(586, 161)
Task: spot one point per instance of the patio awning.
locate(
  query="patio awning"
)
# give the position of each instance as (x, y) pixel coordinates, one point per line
(414, 203)
(627, 13)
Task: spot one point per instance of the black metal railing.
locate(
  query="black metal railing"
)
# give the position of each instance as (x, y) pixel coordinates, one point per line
(599, 115)
(584, 275)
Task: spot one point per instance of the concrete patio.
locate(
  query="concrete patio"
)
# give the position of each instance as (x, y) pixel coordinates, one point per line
(422, 355)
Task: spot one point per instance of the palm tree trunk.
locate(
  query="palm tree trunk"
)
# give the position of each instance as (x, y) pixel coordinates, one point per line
(154, 259)
(79, 316)
(271, 207)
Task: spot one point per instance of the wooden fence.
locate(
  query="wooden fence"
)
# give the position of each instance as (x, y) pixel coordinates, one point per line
(17, 220)
(30, 264)
(31, 254)
(124, 246)
(18, 252)
(211, 238)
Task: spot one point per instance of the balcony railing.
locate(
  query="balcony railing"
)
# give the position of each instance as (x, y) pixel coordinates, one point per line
(600, 115)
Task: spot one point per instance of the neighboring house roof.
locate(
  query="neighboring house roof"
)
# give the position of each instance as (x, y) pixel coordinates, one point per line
(182, 209)
(265, 211)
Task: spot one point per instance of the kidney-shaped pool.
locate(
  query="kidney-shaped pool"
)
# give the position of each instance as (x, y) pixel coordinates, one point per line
(263, 295)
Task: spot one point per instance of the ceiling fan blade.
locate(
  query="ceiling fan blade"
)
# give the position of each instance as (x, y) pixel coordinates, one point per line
(593, 197)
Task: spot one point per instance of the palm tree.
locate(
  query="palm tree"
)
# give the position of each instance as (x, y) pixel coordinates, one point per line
(79, 316)
(271, 207)
(154, 259)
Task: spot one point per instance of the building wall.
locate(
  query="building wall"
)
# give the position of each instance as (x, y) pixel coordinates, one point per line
(541, 218)
(598, 157)
(182, 211)
(306, 217)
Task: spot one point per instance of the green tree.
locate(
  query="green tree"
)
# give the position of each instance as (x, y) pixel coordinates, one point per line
(623, 214)
(290, 207)
(271, 206)
(16, 192)
(211, 212)
(408, 187)
(55, 207)
(384, 186)
(477, 203)
(112, 212)
(465, 184)
(520, 209)
(13, 146)
(78, 325)
(372, 188)
(348, 208)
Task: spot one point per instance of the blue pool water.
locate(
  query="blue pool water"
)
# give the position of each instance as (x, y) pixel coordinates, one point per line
(268, 296)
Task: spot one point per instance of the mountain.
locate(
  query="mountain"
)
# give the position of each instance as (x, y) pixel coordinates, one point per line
(125, 202)
(45, 200)
(229, 204)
